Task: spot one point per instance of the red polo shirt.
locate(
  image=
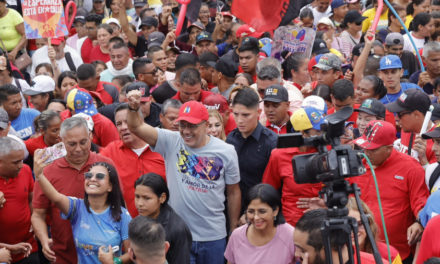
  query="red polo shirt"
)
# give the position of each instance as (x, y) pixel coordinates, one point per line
(86, 50)
(104, 131)
(15, 216)
(130, 167)
(279, 174)
(203, 95)
(33, 144)
(68, 181)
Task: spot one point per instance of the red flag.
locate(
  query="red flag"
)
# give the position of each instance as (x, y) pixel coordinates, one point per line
(266, 15)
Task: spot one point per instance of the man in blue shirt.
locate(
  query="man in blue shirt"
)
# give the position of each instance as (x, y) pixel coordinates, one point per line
(22, 119)
(252, 141)
(390, 72)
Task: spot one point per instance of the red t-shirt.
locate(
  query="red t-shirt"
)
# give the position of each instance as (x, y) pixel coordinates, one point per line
(279, 172)
(430, 245)
(403, 194)
(68, 181)
(86, 50)
(130, 167)
(15, 216)
(230, 125)
(97, 54)
(104, 131)
(352, 118)
(33, 144)
(203, 95)
(404, 143)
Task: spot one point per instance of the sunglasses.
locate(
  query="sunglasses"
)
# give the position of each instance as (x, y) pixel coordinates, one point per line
(358, 23)
(98, 176)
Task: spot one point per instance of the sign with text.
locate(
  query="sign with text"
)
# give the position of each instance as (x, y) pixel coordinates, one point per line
(293, 39)
(44, 18)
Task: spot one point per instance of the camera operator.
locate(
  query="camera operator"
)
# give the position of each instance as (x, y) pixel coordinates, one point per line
(309, 246)
(401, 186)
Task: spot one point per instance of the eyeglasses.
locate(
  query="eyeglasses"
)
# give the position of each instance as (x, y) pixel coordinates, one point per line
(189, 125)
(401, 114)
(98, 176)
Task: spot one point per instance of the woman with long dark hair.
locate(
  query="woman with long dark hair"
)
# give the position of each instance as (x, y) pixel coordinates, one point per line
(421, 28)
(151, 200)
(99, 221)
(414, 8)
(266, 238)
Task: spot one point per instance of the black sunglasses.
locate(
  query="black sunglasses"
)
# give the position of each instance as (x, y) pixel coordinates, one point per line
(98, 176)
(358, 23)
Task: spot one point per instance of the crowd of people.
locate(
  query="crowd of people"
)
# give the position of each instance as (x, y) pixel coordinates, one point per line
(124, 142)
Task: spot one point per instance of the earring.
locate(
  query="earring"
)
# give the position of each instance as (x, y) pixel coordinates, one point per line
(274, 218)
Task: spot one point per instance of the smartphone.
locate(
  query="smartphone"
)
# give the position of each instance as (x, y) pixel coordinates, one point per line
(114, 249)
(54, 152)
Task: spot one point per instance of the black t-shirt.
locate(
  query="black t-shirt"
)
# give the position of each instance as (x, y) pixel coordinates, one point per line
(153, 119)
(163, 92)
(141, 46)
(109, 111)
(409, 63)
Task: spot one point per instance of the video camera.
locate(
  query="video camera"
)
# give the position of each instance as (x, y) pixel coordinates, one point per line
(339, 162)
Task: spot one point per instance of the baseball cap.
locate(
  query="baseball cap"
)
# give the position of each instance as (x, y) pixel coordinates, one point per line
(203, 36)
(226, 67)
(436, 112)
(114, 21)
(245, 31)
(81, 102)
(196, 24)
(155, 39)
(319, 47)
(329, 61)
(353, 16)
(390, 62)
(56, 41)
(394, 38)
(410, 100)
(142, 87)
(326, 21)
(89, 120)
(337, 3)
(4, 119)
(149, 21)
(249, 43)
(228, 14)
(315, 101)
(217, 102)
(372, 106)
(40, 84)
(80, 16)
(276, 93)
(3, 63)
(435, 133)
(352, 1)
(313, 61)
(193, 112)
(306, 118)
(377, 134)
(139, 3)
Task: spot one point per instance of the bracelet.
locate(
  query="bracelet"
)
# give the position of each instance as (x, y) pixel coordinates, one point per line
(132, 109)
(117, 260)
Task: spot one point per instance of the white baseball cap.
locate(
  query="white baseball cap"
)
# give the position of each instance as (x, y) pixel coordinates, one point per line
(40, 84)
(315, 101)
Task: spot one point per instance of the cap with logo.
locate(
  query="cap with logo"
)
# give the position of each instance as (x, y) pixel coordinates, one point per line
(149, 22)
(329, 61)
(276, 93)
(114, 21)
(372, 106)
(80, 16)
(142, 87)
(227, 67)
(390, 62)
(217, 102)
(378, 133)
(198, 25)
(193, 112)
(140, 3)
(81, 102)
(203, 36)
(394, 38)
(435, 133)
(155, 39)
(247, 31)
(40, 84)
(249, 43)
(4, 119)
(306, 118)
(315, 101)
(410, 100)
(319, 47)
(89, 120)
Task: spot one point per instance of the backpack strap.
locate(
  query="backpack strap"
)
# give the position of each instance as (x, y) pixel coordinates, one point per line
(69, 61)
(434, 176)
(17, 83)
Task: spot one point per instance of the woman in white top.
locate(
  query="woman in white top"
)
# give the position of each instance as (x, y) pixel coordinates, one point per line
(351, 36)
(421, 28)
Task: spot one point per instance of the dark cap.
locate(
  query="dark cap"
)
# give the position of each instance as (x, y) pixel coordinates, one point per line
(149, 21)
(436, 112)
(4, 119)
(394, 38)
(80, 16)
(226, 67)
(203, 36)
(353, 16)
(276, 93)
(410, 100)
(372, 106)
(249, 43)
(208, 59)
(435, 133)
(329, 61)
(142, 87)
(155, 39)
(319, 47)
(139, 3)
(198, 25)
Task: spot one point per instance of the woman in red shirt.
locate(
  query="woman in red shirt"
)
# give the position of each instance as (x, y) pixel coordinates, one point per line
(102, 50)
(47, 124)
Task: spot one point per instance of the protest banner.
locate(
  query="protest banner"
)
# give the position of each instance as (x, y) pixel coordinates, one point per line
(293, 39)
(43, 18)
